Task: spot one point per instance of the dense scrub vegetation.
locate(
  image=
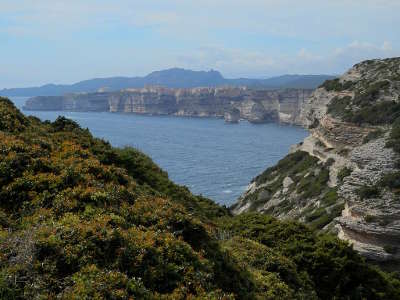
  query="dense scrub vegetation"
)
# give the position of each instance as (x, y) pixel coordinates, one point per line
(381, 113)
(394, 138)
(371, 100)
(331, 266)
(309, 182)
(336, 85)
(80, 219)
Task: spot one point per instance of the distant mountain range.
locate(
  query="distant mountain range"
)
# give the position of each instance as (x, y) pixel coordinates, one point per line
(172, 78)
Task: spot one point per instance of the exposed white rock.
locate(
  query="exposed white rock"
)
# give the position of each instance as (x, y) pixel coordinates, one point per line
(373, 224)
(287, 182)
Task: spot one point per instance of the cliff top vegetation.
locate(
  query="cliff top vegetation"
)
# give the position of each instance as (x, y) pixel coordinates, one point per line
(80, 219)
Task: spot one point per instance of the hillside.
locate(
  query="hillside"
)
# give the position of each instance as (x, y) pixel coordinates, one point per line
(344, 178)
(171, 78)
(80, 219)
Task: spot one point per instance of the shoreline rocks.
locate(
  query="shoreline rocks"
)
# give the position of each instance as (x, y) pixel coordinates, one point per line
(232, 104)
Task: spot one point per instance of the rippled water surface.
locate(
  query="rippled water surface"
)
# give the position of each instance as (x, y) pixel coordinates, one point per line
(212, 158)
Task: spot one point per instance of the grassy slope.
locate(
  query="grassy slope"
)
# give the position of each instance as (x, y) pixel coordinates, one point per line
(80, 219)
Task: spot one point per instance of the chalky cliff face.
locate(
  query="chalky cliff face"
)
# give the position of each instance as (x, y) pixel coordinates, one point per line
(344, 177)
(233, 104)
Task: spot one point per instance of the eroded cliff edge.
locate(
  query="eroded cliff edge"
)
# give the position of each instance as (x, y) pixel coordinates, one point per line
(344, 177)
(233, 104)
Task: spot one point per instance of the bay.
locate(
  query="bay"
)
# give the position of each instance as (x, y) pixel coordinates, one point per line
(210, 157)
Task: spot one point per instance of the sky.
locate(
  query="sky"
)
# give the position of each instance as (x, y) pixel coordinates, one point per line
(65, 41)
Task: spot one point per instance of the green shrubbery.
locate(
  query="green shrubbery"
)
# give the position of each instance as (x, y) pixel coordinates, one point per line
(380, 113)
(292, 164)
(338, 107)
(394, 139)
(80, 219)
(344, 173)
(366, 192)
(391, 181)
(11, 120)
(371, 93)
(314, 184)
(390, 249)
(373, 135)
(335, 270)
(330, 197)
(336, 85)
(364, 107)
(385, 112)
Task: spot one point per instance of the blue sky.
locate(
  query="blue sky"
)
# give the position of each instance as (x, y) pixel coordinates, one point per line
(56, 41)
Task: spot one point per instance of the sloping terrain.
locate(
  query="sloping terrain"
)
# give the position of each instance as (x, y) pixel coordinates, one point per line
(344, 177)
(80, 219)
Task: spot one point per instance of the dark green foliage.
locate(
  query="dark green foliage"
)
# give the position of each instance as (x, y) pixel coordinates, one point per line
(330, 197)
(313, 185)
(344, 173)
(390, 249)
(371, 93)
(64, 124)
(335, 269)
(323, 216)
(80, 219)
(11, 119)
(292, 164)
(277, 275)
(367, 192)
(391, 181)
(310, 181)
(385, 112)
(394, 139)
(366, 107)
(370, 219)
(330, 161)
(336, 85)
(339, 106)
(316, 214)
(373, 135)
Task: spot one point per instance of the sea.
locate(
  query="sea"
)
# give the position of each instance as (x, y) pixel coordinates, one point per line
(210, 157)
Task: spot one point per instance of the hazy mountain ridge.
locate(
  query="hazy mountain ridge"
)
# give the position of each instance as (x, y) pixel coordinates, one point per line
(171, 78)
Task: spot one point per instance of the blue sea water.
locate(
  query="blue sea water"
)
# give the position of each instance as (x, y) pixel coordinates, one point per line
(210, 157)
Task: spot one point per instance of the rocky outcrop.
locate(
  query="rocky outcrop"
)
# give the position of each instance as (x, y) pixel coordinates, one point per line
(232, 115)
(354, 190)
(257, 106)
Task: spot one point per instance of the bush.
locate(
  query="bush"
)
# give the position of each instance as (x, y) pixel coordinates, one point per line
(11, 119)
(338, 107)
(81, 219)
(391, 181)
(367, 192)
(373, 135)
(390, 249)
(344, 173)
(336, 85)
(394, 138)
(292, 164)
(312, 186)
(335, 269)
(64, 124)
(330, 197)
(371, 93)
(370, 219)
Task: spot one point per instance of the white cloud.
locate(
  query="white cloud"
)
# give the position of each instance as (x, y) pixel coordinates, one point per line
(236, 62)
(310, 19)
(240, 38)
